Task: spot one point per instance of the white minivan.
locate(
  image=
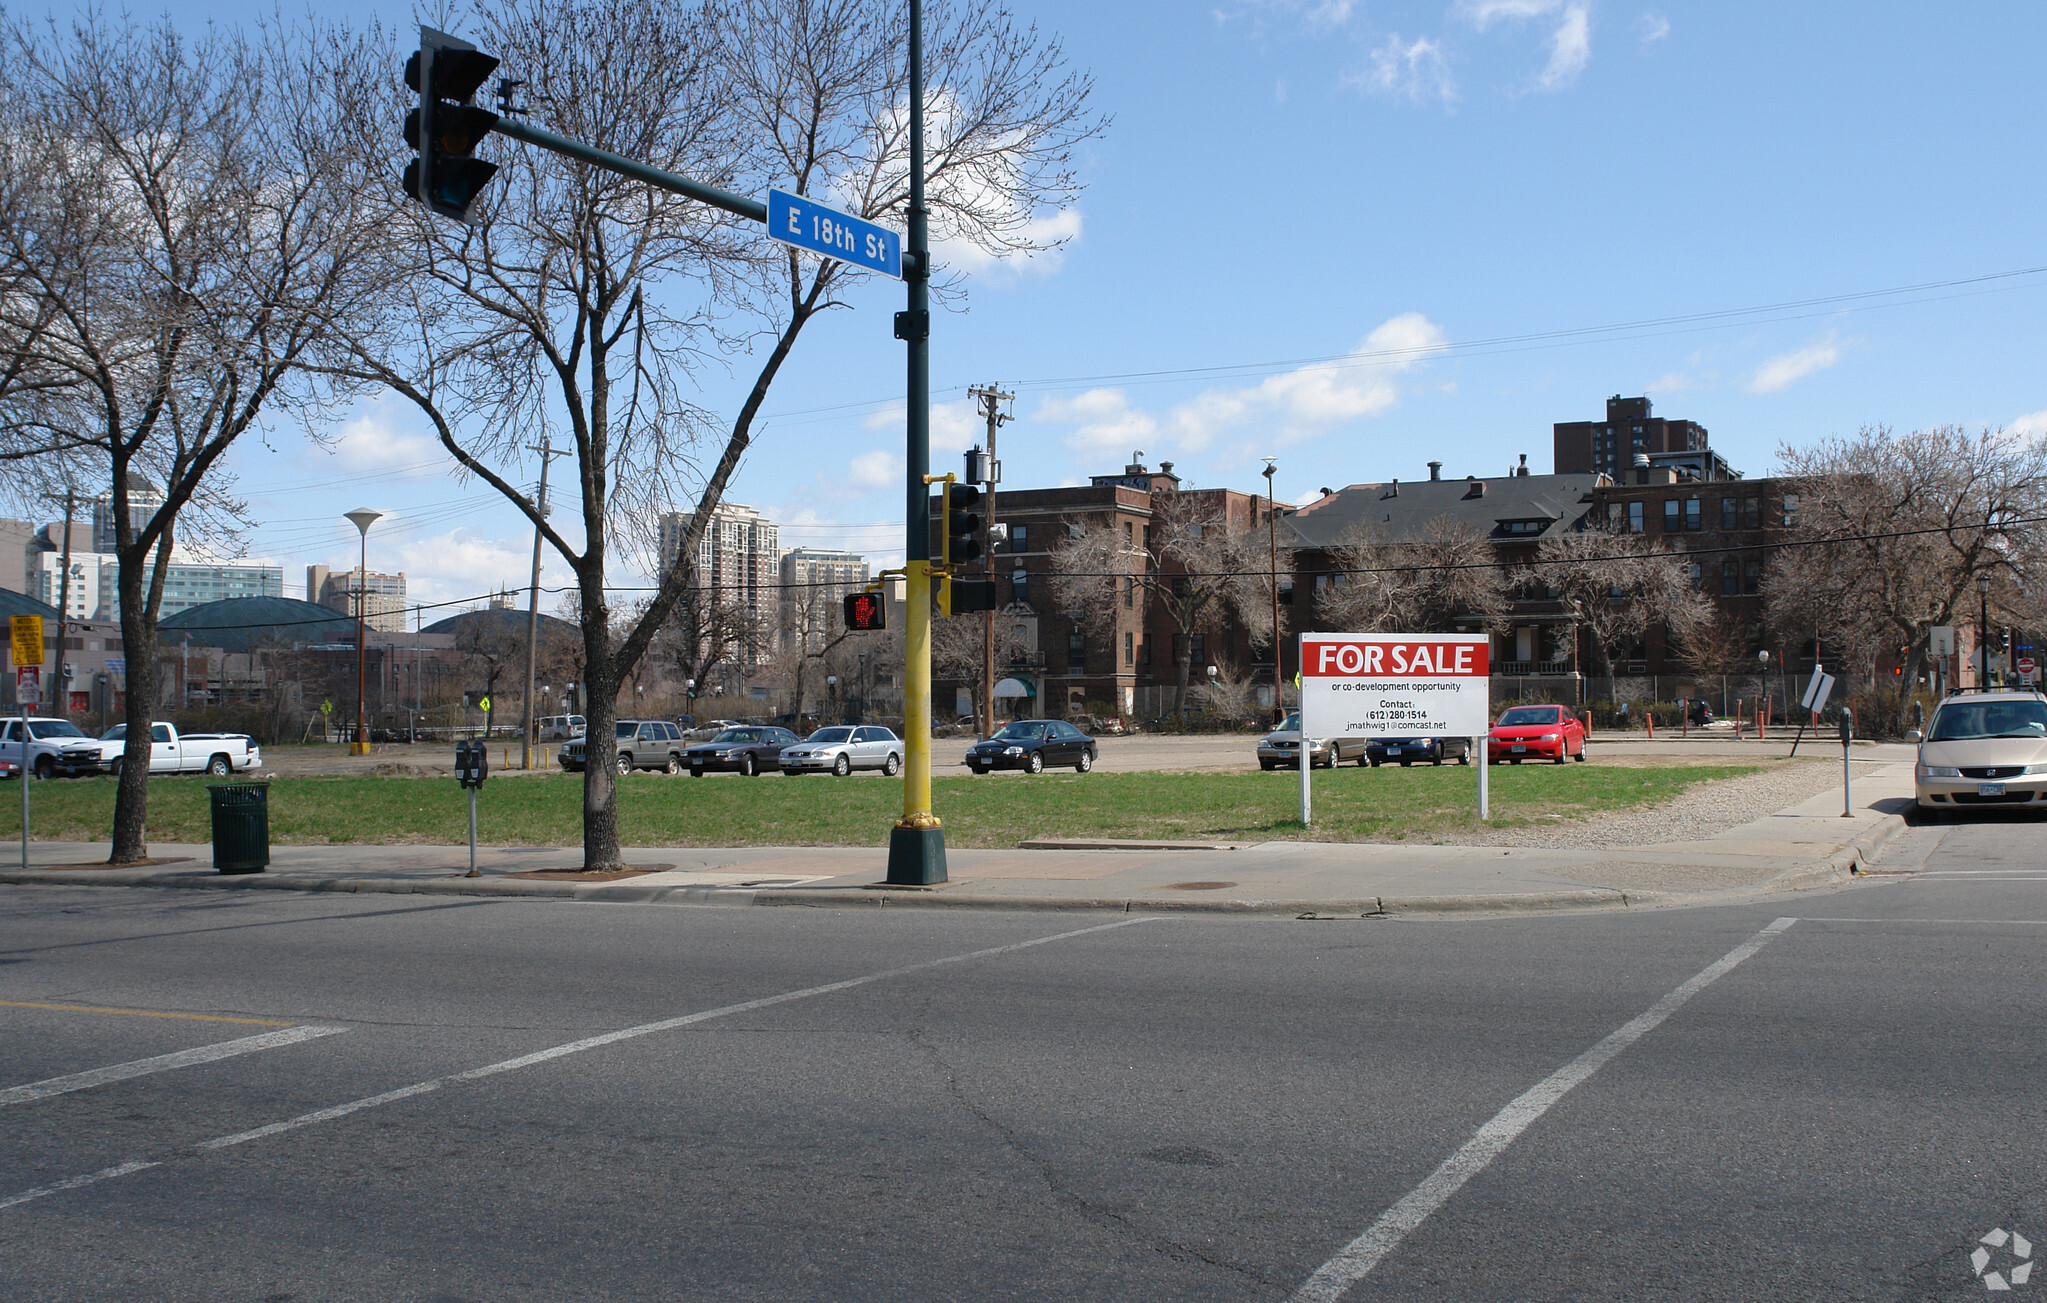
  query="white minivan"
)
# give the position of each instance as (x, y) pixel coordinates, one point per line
(558, 728)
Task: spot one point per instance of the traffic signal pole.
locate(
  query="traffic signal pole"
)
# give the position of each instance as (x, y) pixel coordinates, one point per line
(916, 845)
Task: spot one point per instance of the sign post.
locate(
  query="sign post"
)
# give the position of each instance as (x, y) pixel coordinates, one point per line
(1399, 685)
(1817, 689)
(1847, 736)
(26, 634)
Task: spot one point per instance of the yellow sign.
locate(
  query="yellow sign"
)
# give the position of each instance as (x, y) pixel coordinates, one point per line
(28, 638)
(483, 705)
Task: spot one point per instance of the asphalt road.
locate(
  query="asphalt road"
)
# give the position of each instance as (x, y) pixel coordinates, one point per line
(535, 1100)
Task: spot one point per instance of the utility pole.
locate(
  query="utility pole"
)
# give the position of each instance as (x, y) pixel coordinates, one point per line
(56, 695)
(547, 454)
(991, 398)
(1278, 673)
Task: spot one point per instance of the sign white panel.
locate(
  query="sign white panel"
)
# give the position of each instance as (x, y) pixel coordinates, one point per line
(1396, 684)
(1818, 689)
(28, 685)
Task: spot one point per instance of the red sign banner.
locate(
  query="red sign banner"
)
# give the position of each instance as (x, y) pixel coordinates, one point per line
(1401, 656)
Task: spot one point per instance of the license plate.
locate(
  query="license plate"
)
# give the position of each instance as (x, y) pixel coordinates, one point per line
(1517, 747)
(1990, 789)
(1392, 751)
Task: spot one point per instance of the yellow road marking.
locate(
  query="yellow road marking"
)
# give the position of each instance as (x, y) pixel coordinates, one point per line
(140, 1013)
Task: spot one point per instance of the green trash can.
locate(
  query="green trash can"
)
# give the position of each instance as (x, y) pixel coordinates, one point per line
(241, 827)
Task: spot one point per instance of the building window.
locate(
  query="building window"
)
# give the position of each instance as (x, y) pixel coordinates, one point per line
(1129, 533)
(1672, 515)
(1076, 652)
(1693, 572)
(1634, 517)
(1129, 590)
(1790, 508)
(1129, 649)
(1751, 513)
(1016, 538)
(1752, 575)
(1730, 513)
(1691, 513)
(1730, 577)
(1200, 649)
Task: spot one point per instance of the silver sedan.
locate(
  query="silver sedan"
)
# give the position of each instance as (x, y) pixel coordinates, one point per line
(842, 748)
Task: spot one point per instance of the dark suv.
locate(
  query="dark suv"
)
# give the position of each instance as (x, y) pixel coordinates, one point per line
(642, 744)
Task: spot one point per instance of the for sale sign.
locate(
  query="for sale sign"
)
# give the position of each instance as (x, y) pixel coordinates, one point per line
(1396, 684)
(28, 685)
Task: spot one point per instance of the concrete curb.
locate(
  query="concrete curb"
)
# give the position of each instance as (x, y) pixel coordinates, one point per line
(1361, 907)
(1844, 864)
(501, 887)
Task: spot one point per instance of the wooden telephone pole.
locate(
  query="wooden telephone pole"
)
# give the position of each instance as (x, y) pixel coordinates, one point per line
(992, 399)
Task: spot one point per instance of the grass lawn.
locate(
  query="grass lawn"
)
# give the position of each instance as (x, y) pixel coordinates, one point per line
(1351, 804)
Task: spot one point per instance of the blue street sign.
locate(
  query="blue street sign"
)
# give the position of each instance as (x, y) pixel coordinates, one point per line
(811, 226)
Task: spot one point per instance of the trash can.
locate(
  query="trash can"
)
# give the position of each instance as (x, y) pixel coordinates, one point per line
(241, 827)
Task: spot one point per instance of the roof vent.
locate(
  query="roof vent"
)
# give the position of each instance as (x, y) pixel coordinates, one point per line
(1392, 490)
(1435, 470)
(1522, 469)
(1474, 487)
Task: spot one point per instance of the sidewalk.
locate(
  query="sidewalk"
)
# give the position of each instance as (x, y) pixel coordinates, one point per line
(1807, 845)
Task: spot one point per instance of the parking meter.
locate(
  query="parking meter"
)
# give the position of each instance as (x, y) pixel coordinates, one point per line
(1847, 736)
(472, 764)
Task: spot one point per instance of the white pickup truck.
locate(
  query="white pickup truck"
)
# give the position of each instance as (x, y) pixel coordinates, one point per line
(55, 746)
(190, 753)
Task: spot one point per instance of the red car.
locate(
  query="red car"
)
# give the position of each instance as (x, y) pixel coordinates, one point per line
(1536, 733)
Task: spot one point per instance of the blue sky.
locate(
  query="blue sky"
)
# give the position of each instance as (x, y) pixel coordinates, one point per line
(1444, 188)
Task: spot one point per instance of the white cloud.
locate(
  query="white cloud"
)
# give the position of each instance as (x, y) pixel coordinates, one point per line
(1652, 28)
(1484, 13)
(955, 426)
(374, 441)
(1415, 71)
(2032, 423)
(1104, 419)
(871, 472)
(1570, 49)
(1671, 382)
(1787, 369)
(463, 565)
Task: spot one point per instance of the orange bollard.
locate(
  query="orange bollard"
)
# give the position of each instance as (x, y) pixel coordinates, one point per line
(1652, 723)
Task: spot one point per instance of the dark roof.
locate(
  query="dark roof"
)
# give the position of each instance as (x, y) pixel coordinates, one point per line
(1397, 511)
(512, 622)
(13, 603)
(236, 624)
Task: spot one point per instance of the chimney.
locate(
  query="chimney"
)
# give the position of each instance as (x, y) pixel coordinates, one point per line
(1641, 468)
(1522, 469)
(1136, 466)
(1394, 491)
(1435, 470)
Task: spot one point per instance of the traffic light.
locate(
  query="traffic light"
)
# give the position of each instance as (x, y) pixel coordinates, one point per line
(866, 611)
(961, 524)
(446, 128)
(952, 595)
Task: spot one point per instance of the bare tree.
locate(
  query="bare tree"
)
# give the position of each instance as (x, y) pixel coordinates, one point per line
(957, 648)
(1191, 563)
(1420, 584)
(587, 299)
(180, 239)
(1892, 531)
(1620, 586)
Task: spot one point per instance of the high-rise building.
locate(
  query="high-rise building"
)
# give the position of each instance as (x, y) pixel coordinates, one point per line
(814, 583)
(1630, 439)
(94, 592)
(383, 595)
(737, 560)
(18, 549)
(143, 500)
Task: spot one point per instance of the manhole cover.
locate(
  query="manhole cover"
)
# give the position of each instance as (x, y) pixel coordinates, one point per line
(1198, 886)
(1186, 1155)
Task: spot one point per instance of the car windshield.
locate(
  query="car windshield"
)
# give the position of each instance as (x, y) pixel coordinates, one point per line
(1021, 733)
(1963, 721)
(1292, 721)
(54, 728)
(738, 735)
(1524, 715)
(115, 734)
(627, 730)
(831, 735)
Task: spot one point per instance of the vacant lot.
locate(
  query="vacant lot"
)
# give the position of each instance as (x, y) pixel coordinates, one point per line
(546, 810)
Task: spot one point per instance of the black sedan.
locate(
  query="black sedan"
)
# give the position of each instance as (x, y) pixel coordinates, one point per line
(749, 749)
(1032, 744)
(1407, 750)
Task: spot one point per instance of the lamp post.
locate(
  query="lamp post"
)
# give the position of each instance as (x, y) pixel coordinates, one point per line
(1763, 702)
(1982, 630)
(362, 518)
(1272, 529)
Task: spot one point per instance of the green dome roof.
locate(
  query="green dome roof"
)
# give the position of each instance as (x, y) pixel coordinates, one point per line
(509, 622)
(13, 603)
(238, 623)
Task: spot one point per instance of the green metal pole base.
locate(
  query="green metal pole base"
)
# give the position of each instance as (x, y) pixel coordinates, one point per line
(916, 857)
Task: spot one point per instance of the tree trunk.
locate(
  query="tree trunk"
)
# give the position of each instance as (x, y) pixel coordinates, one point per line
(600, 737)
(138, 644)
(1186, 667)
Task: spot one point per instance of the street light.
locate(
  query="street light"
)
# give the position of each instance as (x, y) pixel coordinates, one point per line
(1272, 529)
(362, 518)
(1764, 658)
(1983, 629)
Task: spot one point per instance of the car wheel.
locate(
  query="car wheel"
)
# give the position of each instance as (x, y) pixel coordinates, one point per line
(45, 767)
(114, 768)
(1268, 765)
(674, 765)
(1034, 763)
(749, 766)
(1464, 758)
(625, 762)
(1405, 763)
(1561, 757)
(842, 766)
(696, 773)
(978, 770)
(1580, 757)
(219, 767)
(1438, 760)
(1513, 760)
(893, 765)
(1085, 763)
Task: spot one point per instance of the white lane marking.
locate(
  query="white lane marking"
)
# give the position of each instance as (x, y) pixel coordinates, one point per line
(2019, 922)
(1356, 1259)
(163, 1063)
(73, 1182)
(572, 1047)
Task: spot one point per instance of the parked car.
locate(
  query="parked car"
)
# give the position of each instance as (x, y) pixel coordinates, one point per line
(1281, 748)
(172, 752)
(750, 749)
(558, 728)
(55, 746)
(642, 744)
(1031, 745)
(842, 748)
(1404, 751)
(1983, 749)
(8, 769)
(1536, 733)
